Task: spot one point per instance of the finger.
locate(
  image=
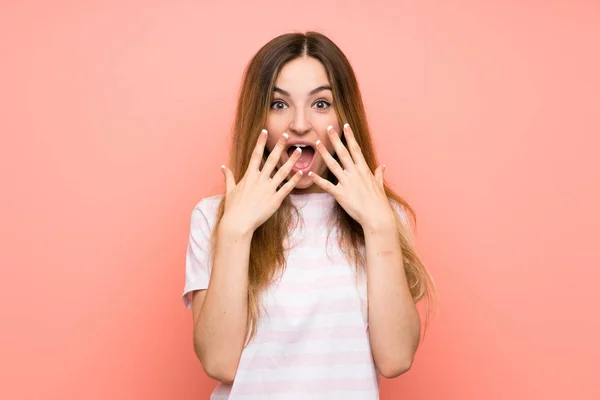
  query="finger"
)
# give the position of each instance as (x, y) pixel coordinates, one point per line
(286, 168)
(288, 187)
(275, 155)
(229, 179)
(331, 162)
(340, 149)
(258, 152)
(323, 183)
(379, 174)
(353, 146)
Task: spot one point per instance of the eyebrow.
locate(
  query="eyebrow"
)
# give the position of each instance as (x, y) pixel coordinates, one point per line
(314, 91)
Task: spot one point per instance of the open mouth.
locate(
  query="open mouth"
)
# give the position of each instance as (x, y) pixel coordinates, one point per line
(305, 160)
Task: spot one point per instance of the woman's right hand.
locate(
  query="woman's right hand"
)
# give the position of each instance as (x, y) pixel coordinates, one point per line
(255, 198)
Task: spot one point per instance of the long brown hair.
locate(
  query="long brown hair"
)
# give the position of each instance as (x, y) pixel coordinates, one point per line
(267, 250)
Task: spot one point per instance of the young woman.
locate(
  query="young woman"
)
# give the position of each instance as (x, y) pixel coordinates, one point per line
(302, 278)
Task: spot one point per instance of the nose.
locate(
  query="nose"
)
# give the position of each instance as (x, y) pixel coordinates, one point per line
(300, 123)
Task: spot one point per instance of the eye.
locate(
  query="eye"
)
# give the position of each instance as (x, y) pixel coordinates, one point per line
(322, 104)
(278, 105)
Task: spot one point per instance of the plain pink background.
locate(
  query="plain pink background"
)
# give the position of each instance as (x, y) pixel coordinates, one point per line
(115, 118)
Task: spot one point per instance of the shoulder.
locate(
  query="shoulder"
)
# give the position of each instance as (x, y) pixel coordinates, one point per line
(207, 208)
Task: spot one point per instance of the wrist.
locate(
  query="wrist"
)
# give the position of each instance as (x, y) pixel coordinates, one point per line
(382, 224)
(234, 229)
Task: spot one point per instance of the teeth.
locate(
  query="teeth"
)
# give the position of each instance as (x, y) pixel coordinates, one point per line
(300, 145)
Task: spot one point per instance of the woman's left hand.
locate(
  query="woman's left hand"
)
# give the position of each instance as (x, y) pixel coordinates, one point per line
(358, 191)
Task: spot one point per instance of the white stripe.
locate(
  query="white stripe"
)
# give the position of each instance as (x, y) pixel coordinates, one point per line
(306, 373)
(316, 322)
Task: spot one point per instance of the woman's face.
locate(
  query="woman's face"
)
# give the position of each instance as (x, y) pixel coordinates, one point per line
(302, 107)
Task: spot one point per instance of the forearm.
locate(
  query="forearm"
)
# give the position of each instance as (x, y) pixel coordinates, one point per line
(394, 326)
(220, 330)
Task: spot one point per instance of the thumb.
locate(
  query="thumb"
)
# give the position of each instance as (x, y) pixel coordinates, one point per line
(229, 180)
(379, 174)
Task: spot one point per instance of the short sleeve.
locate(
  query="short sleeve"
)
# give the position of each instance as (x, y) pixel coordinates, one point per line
(197, 260)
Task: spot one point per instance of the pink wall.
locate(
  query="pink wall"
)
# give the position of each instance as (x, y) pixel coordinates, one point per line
(114, 118)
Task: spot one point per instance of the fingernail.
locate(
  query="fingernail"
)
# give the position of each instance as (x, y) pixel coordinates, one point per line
(222, 166)
(309, 173)
(346, 125)
(383, 167)
(298, 149)
(329, 128)
(318, 142)
(285, 135)
(264, 131)
(302, 173)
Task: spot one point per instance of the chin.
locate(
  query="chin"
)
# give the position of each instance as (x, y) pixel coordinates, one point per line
(304, 183)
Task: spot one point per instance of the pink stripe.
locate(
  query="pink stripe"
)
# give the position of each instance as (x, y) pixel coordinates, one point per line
(222, 389)
(330, 307)
(341, 332)
(311, 360)
(290, 286)
(316, 223)
(313, 233)
(304, 386)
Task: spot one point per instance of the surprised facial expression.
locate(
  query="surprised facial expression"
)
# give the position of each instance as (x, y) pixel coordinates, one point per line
(302, 107)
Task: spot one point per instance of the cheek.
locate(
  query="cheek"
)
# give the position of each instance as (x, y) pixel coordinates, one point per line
(271, 142)
(328, 141)
(276, 125)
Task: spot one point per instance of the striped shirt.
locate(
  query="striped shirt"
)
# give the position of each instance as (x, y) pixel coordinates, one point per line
(312, 339)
